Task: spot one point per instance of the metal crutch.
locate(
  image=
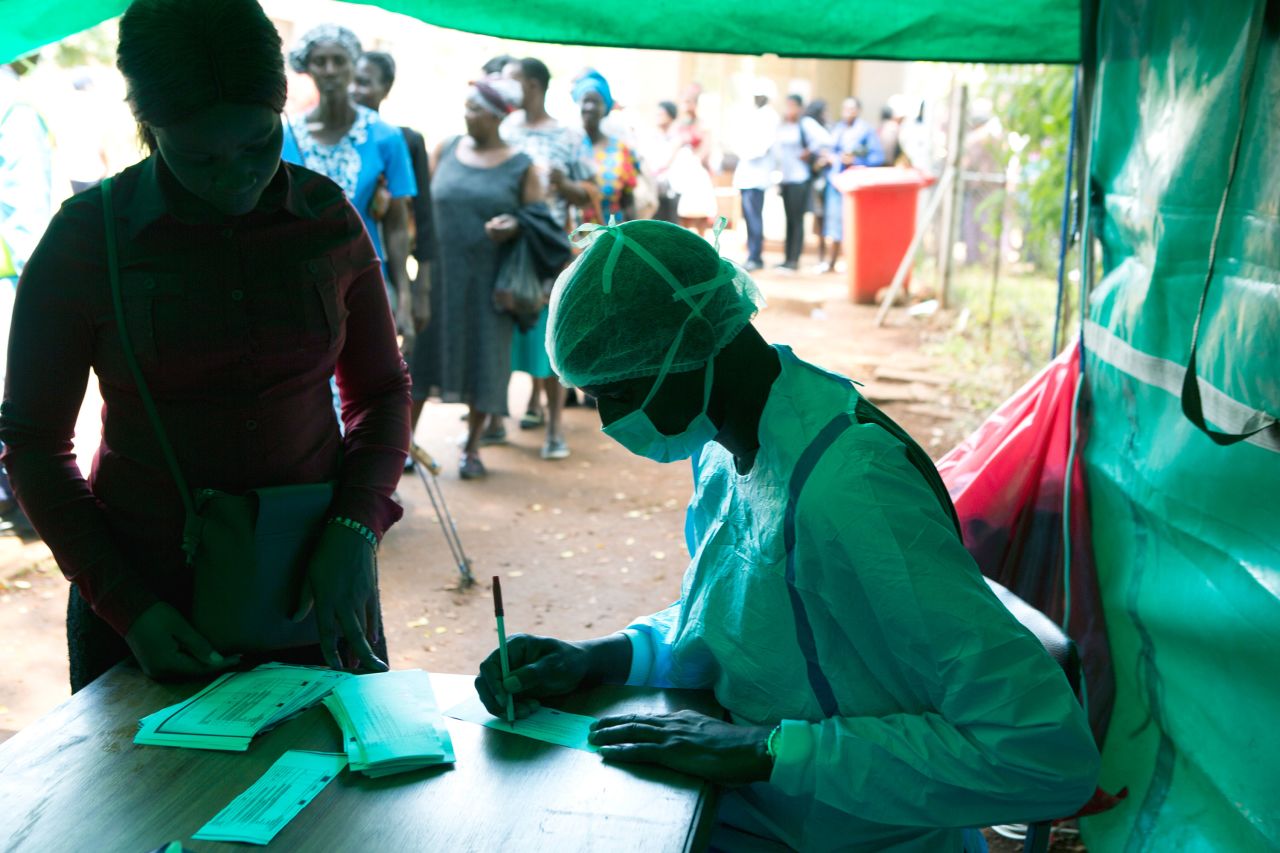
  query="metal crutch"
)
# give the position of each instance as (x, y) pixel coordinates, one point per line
(428, 469)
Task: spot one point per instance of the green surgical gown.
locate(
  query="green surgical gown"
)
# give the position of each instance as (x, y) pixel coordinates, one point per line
(829, 592)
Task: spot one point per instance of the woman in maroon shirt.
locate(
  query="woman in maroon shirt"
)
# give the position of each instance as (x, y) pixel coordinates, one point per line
(247, 283)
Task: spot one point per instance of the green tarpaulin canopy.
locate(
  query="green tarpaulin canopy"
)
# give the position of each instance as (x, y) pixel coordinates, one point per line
(1185, 531)
(954, 30)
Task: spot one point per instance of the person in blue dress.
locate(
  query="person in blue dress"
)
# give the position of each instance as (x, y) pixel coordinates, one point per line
(354, 148)
(854, 142)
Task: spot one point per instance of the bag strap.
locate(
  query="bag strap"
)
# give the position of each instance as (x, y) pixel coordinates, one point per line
(1192, 406)
(191, 526)
(818, 683)
(866, 412)
(805, 466)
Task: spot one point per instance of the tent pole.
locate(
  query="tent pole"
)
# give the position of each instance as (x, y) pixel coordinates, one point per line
(951, 210)
(995, 266)
(1065, 236)
(940, 192)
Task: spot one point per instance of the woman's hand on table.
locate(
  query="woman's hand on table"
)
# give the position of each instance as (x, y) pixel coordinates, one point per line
(167, 646)
(690, 742)
(341, 587)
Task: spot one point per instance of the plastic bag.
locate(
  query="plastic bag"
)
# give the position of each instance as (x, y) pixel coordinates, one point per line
(1006, 480)
(519, 290)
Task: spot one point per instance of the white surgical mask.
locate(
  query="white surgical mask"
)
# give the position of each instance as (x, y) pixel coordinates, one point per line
(637, 432)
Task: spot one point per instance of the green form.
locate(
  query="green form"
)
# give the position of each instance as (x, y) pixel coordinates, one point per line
(545, 724)
(236, 707)
(257, 815)
(390, 722)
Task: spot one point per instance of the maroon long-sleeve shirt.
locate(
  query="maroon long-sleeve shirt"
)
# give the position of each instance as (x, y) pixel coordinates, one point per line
(237, 326)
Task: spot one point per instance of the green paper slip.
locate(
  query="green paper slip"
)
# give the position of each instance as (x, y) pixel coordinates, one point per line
(257, 815)
(545, 724)
(236, 707)
(390, 722)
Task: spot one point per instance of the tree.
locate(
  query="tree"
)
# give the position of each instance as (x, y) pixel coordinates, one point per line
(1034, 102)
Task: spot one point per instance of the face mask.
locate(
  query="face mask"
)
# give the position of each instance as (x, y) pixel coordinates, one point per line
(637, 433)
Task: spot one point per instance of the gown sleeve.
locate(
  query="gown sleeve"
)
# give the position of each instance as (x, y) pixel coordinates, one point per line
(653, 637)
(998, 735)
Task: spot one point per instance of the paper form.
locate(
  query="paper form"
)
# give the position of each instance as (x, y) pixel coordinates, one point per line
(257, 815)
(237, 706)
(545, 724)
(390, 722)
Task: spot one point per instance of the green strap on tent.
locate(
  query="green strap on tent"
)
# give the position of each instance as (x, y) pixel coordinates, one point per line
(1192, 406)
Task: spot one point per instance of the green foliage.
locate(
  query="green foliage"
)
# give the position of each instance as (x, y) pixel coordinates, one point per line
(994, 352)
(1034, 101)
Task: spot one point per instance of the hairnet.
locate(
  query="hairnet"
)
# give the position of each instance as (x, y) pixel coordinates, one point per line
(646, 298)
(593, 81)
(339, 35)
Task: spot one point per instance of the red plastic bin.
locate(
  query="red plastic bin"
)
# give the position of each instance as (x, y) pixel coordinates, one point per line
(879, 222)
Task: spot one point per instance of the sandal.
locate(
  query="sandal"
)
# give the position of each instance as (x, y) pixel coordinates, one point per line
(532, 420)
(471, 468)
(493, 435)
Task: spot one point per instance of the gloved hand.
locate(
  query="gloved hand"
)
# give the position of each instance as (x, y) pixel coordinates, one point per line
(342, 588)
(545, 666)
(540, 667)
(167, 647)
(687, 741)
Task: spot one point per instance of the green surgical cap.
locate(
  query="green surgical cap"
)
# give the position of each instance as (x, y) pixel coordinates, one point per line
(645, 298)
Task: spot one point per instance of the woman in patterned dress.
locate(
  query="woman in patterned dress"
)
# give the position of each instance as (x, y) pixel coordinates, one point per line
(353, 147)
(617, 168)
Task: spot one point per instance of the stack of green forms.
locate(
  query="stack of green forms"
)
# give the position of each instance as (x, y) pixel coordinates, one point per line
(390, 722)
(238, 706)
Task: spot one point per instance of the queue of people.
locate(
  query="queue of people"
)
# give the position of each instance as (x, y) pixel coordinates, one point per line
(799, 153)
(590, 169)
(879, 696)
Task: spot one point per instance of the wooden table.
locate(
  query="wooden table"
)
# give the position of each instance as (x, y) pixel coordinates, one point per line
(74, 780)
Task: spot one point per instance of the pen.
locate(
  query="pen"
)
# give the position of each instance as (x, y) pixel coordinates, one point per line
(502, 648)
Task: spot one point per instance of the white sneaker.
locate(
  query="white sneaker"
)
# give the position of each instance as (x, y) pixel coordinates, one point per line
(555, 448)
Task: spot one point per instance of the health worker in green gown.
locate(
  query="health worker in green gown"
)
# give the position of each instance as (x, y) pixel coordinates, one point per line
(880, 696)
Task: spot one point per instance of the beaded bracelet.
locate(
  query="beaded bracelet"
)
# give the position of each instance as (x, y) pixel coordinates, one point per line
(771, 745)
(352, 524)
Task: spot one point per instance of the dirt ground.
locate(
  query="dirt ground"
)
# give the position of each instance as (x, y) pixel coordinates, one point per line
(582, 545)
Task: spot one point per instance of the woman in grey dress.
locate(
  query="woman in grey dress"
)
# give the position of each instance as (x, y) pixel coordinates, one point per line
(477, 184)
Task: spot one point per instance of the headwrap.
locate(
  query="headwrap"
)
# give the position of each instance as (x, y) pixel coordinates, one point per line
(498, 95)
(593, 81)
(339, 35)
